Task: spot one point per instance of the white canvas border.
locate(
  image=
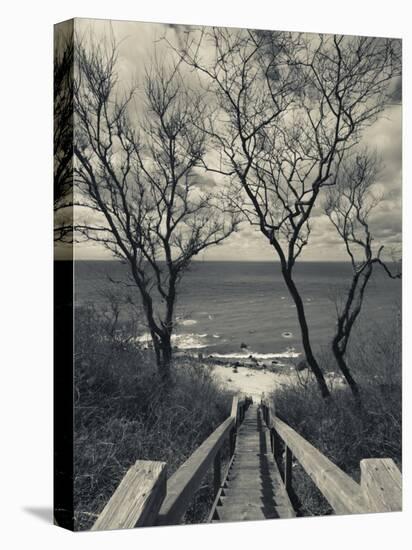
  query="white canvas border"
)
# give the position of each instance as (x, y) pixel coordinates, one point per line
(26, 130)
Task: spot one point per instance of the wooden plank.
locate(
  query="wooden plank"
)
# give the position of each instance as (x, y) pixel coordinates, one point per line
(235, 404)
(232, 441)
(268, 410)
(217, 473)
(254, 485)
(245, 511)
(222, 490)
(340, 490)
(271, 414)
(281, 494)
(288, 470)
(244, 475)
(186, 480)
(381, 483)
(137, 499)
(253, 491)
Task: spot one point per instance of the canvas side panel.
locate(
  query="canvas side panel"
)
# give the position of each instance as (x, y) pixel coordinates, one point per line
(63, 274)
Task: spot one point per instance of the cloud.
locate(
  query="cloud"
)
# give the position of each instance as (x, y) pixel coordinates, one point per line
(385, 136)
(396, 93)
(137, 42)
(204, 182)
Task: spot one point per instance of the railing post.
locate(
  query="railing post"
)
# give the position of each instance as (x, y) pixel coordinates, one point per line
(217, 473)
(272, 441)
(232, 441)
(288, 469)
(381, 484)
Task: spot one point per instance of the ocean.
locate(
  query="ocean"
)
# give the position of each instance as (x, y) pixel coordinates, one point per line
(224, 306)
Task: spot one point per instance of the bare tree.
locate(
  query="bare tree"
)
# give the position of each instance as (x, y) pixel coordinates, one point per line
(349, 205)
(287, 109)
(63, 131)
(138, 172)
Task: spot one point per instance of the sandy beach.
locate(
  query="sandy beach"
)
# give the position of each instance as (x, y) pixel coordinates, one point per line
(251, 381)
(254, 382)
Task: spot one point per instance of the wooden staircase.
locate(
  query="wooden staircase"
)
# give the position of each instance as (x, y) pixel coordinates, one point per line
(253, 488)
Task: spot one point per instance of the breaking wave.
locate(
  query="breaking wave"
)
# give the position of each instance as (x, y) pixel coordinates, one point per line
(180, 341)
(187, 322)
(290, 353)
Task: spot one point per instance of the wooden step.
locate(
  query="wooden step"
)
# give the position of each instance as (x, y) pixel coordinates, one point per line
(279, 508)
(244, 512)
(253, 493)
(253, 488)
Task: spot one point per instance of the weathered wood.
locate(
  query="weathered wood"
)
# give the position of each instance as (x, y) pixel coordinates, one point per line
(381, 483)
(268, 410)
(232, 441)
(273, 441)
(339, 489)
(264, 409)
(244, 511)
(217, 473)
(222, 491)
(271, 413)
(288, 470)
(253, 486)
(235, 405)
(137, 499)
(186, 480)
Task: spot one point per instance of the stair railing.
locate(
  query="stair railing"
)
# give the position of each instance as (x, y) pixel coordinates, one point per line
(145, 498)
(380, 488)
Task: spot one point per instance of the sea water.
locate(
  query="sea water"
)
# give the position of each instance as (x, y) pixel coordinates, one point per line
(237, 309)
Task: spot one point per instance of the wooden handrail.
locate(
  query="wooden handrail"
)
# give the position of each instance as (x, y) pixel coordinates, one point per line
(339, 489)
(235, 407)
(184, 483)
(187, 479)
(380, 487)
(137, 499)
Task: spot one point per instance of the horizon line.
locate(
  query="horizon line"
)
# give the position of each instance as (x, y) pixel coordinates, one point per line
(201, 261)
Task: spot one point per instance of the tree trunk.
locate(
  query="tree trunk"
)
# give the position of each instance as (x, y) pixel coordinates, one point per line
(163, 352)
(340, 360)
(310, 358)
(165, 359)
(161, 339)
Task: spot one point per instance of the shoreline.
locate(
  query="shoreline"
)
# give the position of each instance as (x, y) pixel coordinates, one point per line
(249, 377)
(253, 377)
(250, 381)
(271, 362)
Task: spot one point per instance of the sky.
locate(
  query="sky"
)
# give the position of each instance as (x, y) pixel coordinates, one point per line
(136, 42)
